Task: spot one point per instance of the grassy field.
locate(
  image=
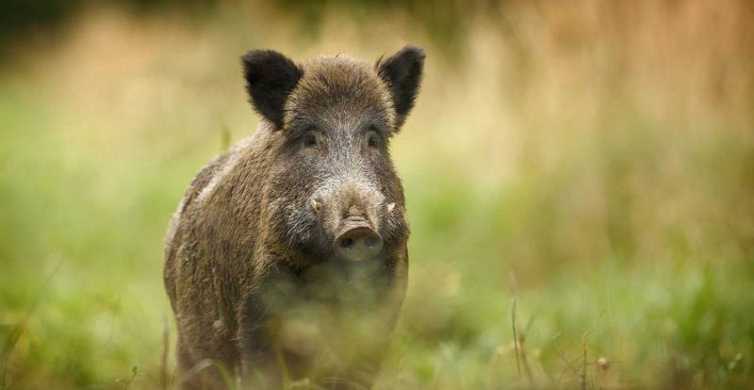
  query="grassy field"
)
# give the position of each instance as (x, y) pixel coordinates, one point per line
(585, 181)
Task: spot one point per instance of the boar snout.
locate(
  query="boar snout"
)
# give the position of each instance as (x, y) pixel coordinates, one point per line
(357, 241)
(350, 214)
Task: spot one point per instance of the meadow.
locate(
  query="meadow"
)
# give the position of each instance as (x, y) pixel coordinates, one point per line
(580, 176)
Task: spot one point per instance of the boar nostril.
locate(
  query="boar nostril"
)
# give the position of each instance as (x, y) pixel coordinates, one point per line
(372, 242)
(358, 243)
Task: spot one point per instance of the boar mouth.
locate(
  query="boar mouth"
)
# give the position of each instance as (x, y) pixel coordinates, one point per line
(350, 284)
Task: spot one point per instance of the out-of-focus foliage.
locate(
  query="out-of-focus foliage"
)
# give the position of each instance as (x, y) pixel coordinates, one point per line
(594, 160)
(22, 20)
(445, 21)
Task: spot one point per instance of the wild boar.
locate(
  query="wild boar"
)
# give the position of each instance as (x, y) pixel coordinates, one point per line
(286, 259)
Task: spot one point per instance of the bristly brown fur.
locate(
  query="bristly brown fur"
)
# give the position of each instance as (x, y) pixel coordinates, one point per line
(247, 256)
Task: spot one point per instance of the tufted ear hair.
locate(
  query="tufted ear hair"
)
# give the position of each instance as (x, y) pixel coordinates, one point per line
(270, 78)
(403, 73)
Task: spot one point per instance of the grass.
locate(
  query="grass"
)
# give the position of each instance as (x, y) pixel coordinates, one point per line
(603, 216)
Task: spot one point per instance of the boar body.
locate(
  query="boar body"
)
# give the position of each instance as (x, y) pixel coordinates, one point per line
(286, 258)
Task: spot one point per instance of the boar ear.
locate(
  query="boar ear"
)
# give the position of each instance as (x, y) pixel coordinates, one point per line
(403, 73)
(270, 78)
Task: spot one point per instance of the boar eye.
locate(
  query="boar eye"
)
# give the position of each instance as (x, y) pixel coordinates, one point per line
(310, 140)
(373, 139)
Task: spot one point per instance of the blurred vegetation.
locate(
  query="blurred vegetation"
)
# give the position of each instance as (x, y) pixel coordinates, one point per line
(22, 20)
(592, 161)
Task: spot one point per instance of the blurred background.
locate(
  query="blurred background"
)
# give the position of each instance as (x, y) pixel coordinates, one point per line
(581, 173)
